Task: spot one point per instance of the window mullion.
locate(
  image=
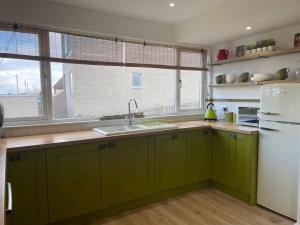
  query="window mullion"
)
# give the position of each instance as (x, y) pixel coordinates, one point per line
(46, 75)
(178, 84)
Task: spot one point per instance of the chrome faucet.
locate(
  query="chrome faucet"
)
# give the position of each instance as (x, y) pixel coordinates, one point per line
(130, 115)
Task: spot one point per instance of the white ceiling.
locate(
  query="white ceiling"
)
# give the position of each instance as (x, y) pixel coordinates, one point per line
(156, 10)
(204, 22)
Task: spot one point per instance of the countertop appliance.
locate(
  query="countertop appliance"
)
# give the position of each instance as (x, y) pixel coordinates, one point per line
(248, 116)
(210, 113)
(279, 142)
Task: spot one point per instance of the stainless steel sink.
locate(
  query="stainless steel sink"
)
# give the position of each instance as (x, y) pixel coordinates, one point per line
(114, 130)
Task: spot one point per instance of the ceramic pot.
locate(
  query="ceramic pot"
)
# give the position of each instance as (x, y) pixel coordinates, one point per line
(253, 51)
(259, 50)
(248, 52)
(271, 48)
(219, 79)
(282, 74)
(230, 78)
(265, 49)
(244, 77)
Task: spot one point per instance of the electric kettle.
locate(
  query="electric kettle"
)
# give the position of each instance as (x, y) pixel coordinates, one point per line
(210, 113)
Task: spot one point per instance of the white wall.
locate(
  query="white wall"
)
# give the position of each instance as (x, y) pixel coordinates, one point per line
(55, 15)
(284, 38)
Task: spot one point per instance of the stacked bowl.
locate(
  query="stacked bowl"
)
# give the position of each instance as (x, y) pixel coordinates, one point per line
(259, 77)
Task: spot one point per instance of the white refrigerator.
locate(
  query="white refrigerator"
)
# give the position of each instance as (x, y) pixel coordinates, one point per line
(279, 148)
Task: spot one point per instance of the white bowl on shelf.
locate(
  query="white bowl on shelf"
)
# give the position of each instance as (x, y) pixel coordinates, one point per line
(259, 79)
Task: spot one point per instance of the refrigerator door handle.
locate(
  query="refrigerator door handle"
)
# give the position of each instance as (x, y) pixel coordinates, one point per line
(268, 129)
(270, 113)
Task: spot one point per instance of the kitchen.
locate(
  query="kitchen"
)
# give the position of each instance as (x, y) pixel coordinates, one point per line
(149, 112)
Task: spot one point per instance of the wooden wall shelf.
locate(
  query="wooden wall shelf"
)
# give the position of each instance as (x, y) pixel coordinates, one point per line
(250, 83)
(267, 54)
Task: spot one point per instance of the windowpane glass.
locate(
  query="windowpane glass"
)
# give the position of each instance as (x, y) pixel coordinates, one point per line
(105, 90)
(191, 90)
(20, 88)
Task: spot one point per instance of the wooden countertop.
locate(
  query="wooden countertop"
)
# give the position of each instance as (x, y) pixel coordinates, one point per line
(61, 139)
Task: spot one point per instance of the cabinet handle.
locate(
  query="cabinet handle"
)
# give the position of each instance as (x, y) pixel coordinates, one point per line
(9, 198)
(102, 146)
(112, 144)
(233, 136)
(214, 132)
(14, 158)
(174, 136)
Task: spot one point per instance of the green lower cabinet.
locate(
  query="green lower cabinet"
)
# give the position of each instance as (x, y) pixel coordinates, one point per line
(26, 171)
(74, 180)
(127, 169)
(220, 157)
(200, 155)
(240, 168)
(172, 160)
(234, 164)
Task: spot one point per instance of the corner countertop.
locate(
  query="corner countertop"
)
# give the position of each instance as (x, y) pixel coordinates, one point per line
(17, 144)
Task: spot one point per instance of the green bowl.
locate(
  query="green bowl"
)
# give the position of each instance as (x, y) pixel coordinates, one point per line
(244, 77)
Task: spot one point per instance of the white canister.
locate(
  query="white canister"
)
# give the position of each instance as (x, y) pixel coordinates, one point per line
(230, 78)
(253, 51)
(265, 49)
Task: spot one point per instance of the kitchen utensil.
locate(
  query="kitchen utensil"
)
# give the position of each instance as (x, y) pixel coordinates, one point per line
(210, 113)
(223, 54)
(220, 79)
(244, 77)
(230, 78)
(282, 74)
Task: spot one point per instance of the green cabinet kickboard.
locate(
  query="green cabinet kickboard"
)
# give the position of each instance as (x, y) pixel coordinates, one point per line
(74, 181)
(127, 169)
(27, 173)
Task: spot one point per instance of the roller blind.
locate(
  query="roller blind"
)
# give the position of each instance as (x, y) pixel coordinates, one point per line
(44, 45)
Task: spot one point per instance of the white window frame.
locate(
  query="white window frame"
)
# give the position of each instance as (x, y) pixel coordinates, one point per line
(46, 90)
(140, 74)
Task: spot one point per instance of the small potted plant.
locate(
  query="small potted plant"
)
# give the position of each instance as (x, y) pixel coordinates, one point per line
(270, 43)
(265, 45)
(1, 119)
(249, 49)
(253, 48)
(259, 46)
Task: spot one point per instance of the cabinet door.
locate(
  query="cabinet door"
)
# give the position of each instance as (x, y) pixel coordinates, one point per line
(200, 155)
(73, 180)
(220, 157)
(240, 161)
(172, 160)
(26, 172)
(127, 169)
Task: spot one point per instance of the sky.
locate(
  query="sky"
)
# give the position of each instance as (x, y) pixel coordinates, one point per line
(25, 73)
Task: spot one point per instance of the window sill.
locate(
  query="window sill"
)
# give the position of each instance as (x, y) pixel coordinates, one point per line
(58, 126)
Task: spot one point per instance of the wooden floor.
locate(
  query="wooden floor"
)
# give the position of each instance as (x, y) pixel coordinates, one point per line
(203, 207)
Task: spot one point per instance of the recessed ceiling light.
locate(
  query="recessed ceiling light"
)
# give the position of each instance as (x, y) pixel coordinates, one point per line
(248, 28)
(172, 4)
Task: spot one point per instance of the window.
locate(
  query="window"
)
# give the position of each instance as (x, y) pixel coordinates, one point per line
(94, 76)
(105, 90)
(191, 93)
(21, 86)
(137, 80)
